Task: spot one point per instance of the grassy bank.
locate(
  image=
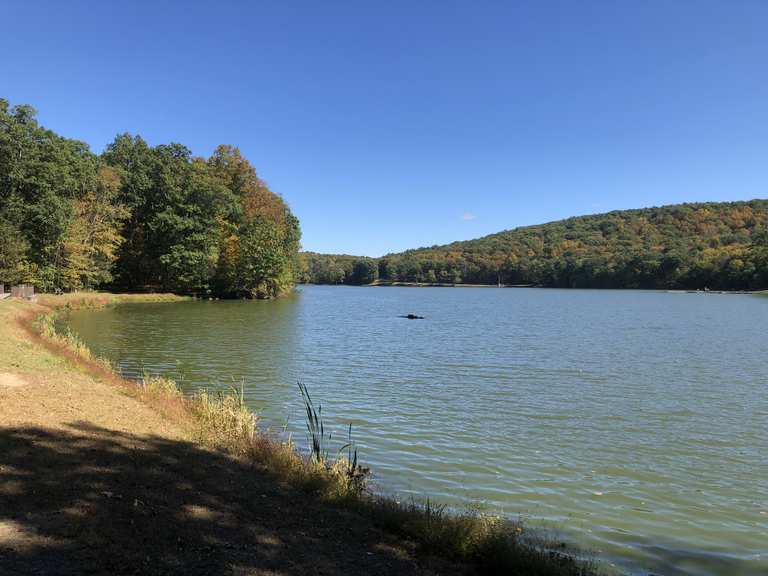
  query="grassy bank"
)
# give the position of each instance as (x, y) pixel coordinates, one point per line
(448, 542)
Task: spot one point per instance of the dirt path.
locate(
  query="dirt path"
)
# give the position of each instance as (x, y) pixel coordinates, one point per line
(93, 481)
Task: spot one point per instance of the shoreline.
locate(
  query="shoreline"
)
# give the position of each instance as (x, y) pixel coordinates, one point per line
(388, 284)
(446, 285)
(428, 539)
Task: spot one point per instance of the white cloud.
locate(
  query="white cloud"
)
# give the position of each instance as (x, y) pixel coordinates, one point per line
(468, 216)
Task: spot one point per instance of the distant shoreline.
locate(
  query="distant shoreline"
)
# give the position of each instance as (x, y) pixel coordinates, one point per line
(448, 285)
(379, 284)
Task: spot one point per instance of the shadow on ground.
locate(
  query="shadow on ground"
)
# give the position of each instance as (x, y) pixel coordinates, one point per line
(95, 501)
(90, 500)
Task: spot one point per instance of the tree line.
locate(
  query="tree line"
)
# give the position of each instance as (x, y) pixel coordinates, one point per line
(721, 246)
(137, 217)
(318, 268)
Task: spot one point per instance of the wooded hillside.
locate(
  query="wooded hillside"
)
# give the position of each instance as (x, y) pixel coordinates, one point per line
(691, 246)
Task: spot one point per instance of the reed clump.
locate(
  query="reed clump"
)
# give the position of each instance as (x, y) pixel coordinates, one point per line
(494, 544)
(327, 478)
(222, 420)
(87, 300)
(158, 387)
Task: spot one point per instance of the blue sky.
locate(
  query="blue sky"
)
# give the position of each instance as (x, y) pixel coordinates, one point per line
(393, 125)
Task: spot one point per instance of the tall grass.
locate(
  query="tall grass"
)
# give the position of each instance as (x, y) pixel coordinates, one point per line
(315, 427)
(152, 385)
(45, 325)
(493, 544)
(222, 420)
(356, 475)
(81, 300)
(344, 470)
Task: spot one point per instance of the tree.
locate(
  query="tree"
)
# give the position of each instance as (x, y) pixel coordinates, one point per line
(758, 259)
(137, 263)
(262, 267)
(364, 271)
(192, 227)
(93, 237)
(42, 175)
(14, 267)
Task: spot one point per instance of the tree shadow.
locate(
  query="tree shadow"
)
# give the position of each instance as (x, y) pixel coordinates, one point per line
(89, 500)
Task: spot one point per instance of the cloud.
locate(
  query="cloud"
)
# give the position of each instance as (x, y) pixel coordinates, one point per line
(468, 216)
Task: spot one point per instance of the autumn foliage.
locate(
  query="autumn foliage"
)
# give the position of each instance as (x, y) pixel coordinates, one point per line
(687, 246)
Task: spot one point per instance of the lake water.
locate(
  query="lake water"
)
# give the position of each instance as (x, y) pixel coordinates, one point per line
(634, 422)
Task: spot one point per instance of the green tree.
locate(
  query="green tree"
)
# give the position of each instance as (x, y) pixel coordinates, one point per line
(364, 271)
(262, 269)
(42, 175)
(14, 267)
(138, 259)
(93, 236)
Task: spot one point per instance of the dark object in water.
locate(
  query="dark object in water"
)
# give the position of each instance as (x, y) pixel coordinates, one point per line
(412, 317)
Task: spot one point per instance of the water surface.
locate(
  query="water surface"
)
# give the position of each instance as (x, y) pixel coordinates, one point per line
(636, 422)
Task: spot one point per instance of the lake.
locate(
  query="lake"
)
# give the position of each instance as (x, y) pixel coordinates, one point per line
(633, 423)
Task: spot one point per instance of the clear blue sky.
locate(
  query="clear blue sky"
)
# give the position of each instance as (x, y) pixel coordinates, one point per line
(393, 125)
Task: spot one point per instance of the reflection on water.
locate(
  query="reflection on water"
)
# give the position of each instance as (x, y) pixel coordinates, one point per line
(637, 422)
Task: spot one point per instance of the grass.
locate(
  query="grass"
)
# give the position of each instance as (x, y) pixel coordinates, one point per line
(315, 427)
(493, 544)
(346, 471)
(221, 421)
(83, 300)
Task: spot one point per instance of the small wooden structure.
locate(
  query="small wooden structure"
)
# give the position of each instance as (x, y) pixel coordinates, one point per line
(26, 291)
(3, 293)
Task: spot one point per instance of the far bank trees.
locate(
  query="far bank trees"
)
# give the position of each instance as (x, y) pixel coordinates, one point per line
(720, 246)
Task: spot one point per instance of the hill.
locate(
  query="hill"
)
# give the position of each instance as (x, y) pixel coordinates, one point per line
(686, 246)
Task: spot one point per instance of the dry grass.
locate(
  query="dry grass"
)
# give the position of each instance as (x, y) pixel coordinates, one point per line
(45, 325)
(493, 544)
(80, 300)
(221, 421)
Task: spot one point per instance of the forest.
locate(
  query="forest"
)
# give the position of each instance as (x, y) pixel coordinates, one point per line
(318, 268)
(720, 246)
(137, 217)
